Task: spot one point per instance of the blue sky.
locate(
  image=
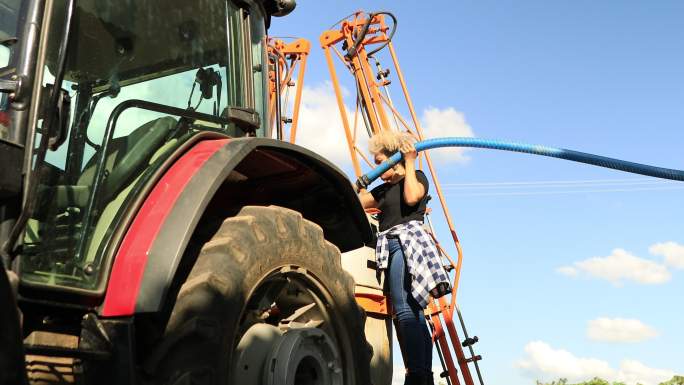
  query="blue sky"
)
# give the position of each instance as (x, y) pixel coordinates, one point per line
(602, 77)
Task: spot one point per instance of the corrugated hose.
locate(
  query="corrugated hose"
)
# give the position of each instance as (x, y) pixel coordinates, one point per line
(560, 153)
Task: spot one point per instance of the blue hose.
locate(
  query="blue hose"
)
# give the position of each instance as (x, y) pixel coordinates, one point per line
(575, 156)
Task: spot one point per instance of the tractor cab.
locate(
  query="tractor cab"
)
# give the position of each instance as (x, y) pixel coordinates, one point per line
(119, 87)
(125, 204)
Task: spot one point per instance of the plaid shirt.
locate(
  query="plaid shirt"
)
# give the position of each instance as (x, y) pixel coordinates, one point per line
(422, 258)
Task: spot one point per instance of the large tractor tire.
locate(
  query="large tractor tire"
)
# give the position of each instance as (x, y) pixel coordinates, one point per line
(267, 302)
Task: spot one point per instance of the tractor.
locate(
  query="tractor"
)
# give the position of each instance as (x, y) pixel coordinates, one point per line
(152, 230)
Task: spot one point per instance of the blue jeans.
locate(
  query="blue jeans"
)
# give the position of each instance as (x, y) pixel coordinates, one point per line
(412, 330)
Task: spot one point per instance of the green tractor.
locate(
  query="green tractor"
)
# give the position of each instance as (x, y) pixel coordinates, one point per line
(152, 230)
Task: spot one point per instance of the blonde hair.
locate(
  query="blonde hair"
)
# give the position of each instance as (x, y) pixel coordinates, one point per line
(389, 142)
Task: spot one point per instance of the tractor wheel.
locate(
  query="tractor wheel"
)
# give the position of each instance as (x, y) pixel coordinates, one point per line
(267, 302)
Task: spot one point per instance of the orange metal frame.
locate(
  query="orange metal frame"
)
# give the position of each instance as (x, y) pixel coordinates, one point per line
(291, 59)
(376, 106)
(373, 303)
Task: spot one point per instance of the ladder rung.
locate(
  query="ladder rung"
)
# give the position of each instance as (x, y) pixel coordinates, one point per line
(431, 313)
(474, 358)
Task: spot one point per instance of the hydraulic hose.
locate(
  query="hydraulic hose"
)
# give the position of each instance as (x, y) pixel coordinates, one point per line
(560, 153)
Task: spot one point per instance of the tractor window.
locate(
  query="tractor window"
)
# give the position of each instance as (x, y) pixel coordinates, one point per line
(259, 66)
(239, 94)
(247, 50)
(171, 52)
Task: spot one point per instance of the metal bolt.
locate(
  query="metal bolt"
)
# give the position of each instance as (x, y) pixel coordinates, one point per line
(89, 269)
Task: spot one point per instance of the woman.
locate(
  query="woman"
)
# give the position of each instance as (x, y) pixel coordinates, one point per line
(405, 251)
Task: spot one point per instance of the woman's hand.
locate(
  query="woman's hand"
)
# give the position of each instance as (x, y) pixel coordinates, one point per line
(408, 150)
(414, 191)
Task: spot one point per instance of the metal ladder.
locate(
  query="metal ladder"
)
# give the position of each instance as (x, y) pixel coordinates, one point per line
(357, 41)
(439, 316)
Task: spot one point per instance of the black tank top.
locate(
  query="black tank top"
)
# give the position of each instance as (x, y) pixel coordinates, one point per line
(390, 198)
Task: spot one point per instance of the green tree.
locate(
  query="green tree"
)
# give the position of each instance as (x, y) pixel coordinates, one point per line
(676, 380)
(562, 381)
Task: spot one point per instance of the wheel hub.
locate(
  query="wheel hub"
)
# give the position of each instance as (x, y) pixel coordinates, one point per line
(303, 357)
(298, 356)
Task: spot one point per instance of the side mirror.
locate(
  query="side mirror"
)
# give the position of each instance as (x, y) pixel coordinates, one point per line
(280, 8)
(207, 79)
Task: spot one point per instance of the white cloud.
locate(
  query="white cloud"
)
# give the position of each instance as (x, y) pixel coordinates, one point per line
(619, 266)
(619, 330)
(546, 363)
(672, 251)
(446, 122)
(634, 372)
(567, 270)
(543, 362)
(320, 126)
